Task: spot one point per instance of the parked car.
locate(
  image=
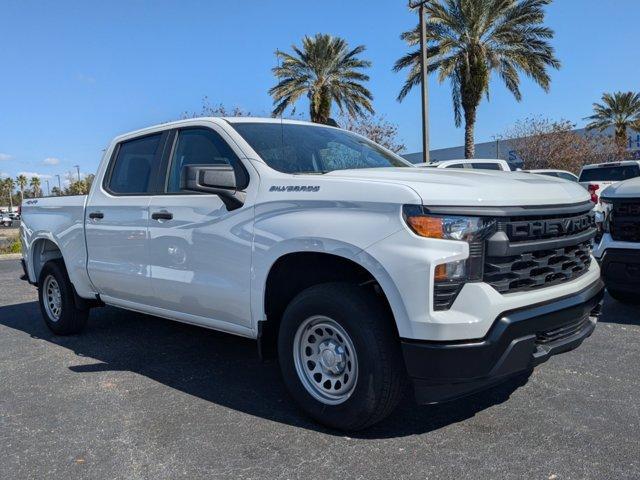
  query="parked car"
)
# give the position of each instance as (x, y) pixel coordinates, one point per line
(5, 220)
(619, 248)
(357, 269)
(555, 173)
(595, 178)
(475, 163)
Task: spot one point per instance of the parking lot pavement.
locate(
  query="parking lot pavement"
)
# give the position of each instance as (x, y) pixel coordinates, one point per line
(141, 397)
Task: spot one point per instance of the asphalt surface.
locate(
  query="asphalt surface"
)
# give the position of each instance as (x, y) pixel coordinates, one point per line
(136, 396)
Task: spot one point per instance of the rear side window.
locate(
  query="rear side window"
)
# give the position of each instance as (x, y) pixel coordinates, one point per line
(135, 167)
(455, 165)
(486, 166)
(610, 174)
(202, 146)
(567, 176)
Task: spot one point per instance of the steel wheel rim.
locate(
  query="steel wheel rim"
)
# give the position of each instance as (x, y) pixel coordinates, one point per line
(52, 298)
(325, 359)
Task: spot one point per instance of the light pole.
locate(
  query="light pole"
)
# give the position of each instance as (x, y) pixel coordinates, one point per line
(420, 5)
(48, 189)
(78, 168)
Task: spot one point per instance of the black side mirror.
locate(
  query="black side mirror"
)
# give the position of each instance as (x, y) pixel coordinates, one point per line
(217, 179)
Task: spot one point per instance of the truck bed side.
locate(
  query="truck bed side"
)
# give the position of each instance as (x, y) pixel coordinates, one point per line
(53, 227)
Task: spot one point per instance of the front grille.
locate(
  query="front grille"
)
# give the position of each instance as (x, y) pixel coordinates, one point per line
(624, 224)
(536, 252)
(560, 333)
(537, 269)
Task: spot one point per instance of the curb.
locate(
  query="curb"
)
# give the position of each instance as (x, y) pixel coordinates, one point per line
(10, 256)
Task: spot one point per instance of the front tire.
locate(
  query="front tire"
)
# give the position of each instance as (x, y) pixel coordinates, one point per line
(57, 303)
(340, 356)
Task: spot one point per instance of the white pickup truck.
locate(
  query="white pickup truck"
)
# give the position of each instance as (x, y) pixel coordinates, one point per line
(619, 249)
(357, 269)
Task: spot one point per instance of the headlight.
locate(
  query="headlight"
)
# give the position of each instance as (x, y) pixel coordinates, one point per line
(446, 227)
(450, 277)
(607, 208)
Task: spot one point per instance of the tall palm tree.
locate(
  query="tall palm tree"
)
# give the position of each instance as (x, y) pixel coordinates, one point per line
(10, 185)
(325, 69)
(468, 40)
(620, 110)
(35, 185)
(21, 180)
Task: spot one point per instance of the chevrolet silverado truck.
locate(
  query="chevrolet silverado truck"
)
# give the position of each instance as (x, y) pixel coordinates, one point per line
(619, 249)
(362, 274)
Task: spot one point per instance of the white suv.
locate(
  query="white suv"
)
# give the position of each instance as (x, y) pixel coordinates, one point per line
(474, 163)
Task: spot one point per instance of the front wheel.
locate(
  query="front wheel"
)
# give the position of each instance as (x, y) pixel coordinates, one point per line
(57, 303)
(340, 356)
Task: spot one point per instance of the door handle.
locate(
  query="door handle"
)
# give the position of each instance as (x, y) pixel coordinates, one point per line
(96, 215)
(162, 215)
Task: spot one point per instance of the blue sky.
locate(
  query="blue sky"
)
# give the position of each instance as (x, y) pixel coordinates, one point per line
(75, 74)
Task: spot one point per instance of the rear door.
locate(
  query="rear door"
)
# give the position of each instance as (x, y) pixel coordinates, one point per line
(117, 220)
(200, 251)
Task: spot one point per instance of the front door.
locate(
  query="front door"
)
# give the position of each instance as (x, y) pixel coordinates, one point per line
(117, 221)
(200, 252)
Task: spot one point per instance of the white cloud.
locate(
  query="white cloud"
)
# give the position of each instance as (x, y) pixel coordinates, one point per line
(3, 174)
(51, 161)
(35, 174)
(5, 156)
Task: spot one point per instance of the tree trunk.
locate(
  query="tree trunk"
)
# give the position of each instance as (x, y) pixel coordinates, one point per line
(469, 132)
(621, 142)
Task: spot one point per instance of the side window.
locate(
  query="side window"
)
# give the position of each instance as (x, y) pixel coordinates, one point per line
(486, 166)
(135, 167)
(202, 146)
(567, 176)
(455, 165)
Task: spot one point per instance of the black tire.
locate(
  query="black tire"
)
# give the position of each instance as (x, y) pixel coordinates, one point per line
(624, 297)
(71, 320)
(381, 379)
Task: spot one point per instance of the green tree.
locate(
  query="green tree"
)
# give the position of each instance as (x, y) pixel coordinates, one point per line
(35, 183)
(22, 181)
(326, 70)
(7, 187)
(468, 40)
(620, 110)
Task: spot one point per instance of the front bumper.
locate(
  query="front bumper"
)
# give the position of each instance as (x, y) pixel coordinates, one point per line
(518, 340)
(621, 269)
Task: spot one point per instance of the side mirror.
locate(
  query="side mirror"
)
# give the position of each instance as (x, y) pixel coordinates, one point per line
(217, 179)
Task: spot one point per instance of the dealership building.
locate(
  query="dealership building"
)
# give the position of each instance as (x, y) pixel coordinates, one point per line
(503, 149)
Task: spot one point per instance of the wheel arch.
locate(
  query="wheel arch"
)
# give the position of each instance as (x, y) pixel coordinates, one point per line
(293, 271)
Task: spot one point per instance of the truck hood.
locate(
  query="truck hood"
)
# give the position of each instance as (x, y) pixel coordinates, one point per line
(448, 187)
(625, 189)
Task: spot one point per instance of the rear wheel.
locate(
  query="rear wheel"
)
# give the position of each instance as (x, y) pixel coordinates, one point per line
(340, 356)
(624, 297)
(57, 303)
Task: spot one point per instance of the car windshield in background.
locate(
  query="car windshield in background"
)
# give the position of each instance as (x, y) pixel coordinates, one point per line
(294, 148)
(610, 174)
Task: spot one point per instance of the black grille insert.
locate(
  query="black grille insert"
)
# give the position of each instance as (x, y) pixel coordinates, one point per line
(537, 269)
(624, 223)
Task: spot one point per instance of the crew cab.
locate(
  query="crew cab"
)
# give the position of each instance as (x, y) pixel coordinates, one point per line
(619, 249)
(361, 273)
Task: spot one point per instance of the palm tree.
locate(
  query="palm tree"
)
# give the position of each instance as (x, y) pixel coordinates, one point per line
(35, 185)
(21, 180)
(325, 69)
(468, 40)
(620, 110)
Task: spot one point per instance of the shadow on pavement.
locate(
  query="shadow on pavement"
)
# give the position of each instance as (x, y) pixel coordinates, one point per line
(221, 368)
(615, 311)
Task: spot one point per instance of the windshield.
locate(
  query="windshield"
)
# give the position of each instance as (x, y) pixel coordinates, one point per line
(610, 174)
(294, 148)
